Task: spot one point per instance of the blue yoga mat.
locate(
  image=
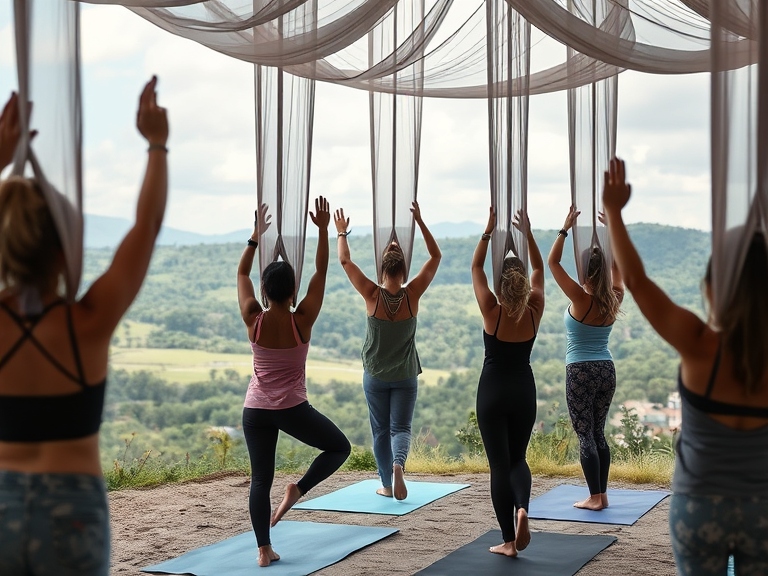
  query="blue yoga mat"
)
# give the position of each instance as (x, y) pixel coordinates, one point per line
(625, 506)
(362, 497)
(304, 547)
(548, 554)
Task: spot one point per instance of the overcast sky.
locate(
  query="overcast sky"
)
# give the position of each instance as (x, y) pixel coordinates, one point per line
(663, 134)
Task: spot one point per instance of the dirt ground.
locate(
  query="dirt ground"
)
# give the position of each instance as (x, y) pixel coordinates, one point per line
(153, 525)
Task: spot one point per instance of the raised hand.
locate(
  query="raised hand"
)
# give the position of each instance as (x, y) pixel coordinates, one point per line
(342, 224)
(616, 190)
(10, 130)
(570, 220)
(491, 221)
(261, 221)
(151, 119)
(522, 222)
(416, 211)
(322, 215)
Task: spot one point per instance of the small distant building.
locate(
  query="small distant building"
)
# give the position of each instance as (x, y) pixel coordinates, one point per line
(658, 418)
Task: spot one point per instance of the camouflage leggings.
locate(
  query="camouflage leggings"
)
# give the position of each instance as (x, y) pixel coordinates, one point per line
(706, 530)
(53, 525)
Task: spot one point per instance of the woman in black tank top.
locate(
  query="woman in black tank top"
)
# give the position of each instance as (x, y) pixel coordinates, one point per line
(53, 363)
(506, 393)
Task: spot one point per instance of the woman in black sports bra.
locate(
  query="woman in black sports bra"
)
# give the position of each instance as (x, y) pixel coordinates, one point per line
(53, 366)
(719, 504)
(506, 393)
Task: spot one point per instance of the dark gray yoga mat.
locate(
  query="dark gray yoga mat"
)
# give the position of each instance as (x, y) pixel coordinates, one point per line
(548, 554)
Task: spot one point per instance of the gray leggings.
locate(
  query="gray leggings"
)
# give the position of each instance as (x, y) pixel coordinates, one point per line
(53, 525)
(706, 530)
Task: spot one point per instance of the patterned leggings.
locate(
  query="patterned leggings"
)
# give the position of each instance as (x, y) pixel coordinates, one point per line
(706, 530)
(589, 388)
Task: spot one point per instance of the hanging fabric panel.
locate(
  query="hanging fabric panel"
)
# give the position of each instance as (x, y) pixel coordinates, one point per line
(508, 47)
(284, 123)
(592, 120)
(395, 135)
(48, 66)
(739, 143)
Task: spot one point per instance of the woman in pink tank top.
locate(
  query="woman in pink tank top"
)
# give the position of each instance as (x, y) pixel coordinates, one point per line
(277, 394)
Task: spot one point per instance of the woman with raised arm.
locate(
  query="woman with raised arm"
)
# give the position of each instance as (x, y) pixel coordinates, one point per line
(390, 361)
(277, 394)
(53, 366)
(506, 393)
(590, 376)
(720, 484)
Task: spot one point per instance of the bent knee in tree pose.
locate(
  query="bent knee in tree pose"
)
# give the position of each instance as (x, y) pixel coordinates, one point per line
(277, 394)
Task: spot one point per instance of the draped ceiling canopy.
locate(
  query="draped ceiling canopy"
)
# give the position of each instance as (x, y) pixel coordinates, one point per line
(401, 51)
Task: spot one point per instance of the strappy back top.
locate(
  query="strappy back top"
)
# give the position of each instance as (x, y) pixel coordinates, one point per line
(389, 350)
(279, 374)
(510, 355)
(715, 459)
(49, 417)
(585, 343)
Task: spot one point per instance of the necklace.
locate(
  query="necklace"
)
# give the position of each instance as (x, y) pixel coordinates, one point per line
(392, 302)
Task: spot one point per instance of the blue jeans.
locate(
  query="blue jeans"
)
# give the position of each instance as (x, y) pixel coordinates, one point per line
(53, 525)
(706, 530)
(390, 407)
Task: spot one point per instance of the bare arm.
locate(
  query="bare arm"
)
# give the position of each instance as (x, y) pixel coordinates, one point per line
(424, 278)
(568, 285)
(309, 308)
(678, 326)
(112, 293)
(523, 223)
(246, 294)
(485, 298)
(10, 130)
(360, 281)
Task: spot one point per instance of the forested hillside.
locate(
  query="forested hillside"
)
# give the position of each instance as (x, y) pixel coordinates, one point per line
(189, 301)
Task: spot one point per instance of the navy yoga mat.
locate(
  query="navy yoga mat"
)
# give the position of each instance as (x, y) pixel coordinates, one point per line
(625, 506)
(304, 547)
(362, 497)
(548, 554)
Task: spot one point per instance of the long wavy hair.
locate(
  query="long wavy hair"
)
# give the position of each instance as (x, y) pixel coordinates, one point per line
(515, 288)
(599, 281)
(744, 323)
(29, 241)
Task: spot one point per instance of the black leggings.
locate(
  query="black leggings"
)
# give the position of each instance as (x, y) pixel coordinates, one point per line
(589, 389)
(506, 413)
(306, 425)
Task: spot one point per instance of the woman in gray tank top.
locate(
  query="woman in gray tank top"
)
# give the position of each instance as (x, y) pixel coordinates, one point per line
(719, 505)
(390, 361)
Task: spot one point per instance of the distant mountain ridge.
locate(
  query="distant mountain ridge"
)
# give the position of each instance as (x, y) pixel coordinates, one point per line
(107, 231)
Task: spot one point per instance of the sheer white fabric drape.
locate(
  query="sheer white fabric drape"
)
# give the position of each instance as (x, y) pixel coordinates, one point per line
(48, 67)
(508, 51)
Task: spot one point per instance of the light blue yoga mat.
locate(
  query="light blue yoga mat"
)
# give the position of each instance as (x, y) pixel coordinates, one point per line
(362, 497)
(625, 506)
(304, 547)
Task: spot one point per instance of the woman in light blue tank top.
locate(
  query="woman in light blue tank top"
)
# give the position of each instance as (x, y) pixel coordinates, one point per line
(719, 506)
(590, 377)
(390, 361)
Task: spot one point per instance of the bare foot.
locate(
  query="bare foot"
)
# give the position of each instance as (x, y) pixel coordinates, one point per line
(292, 495)
(401, 492)
(594, 502)
(385, 491)
(604, 499)
(267, 555)
(507, 549)
(523, 534)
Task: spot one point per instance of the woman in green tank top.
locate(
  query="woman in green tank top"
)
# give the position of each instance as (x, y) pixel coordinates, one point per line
(390, 361)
